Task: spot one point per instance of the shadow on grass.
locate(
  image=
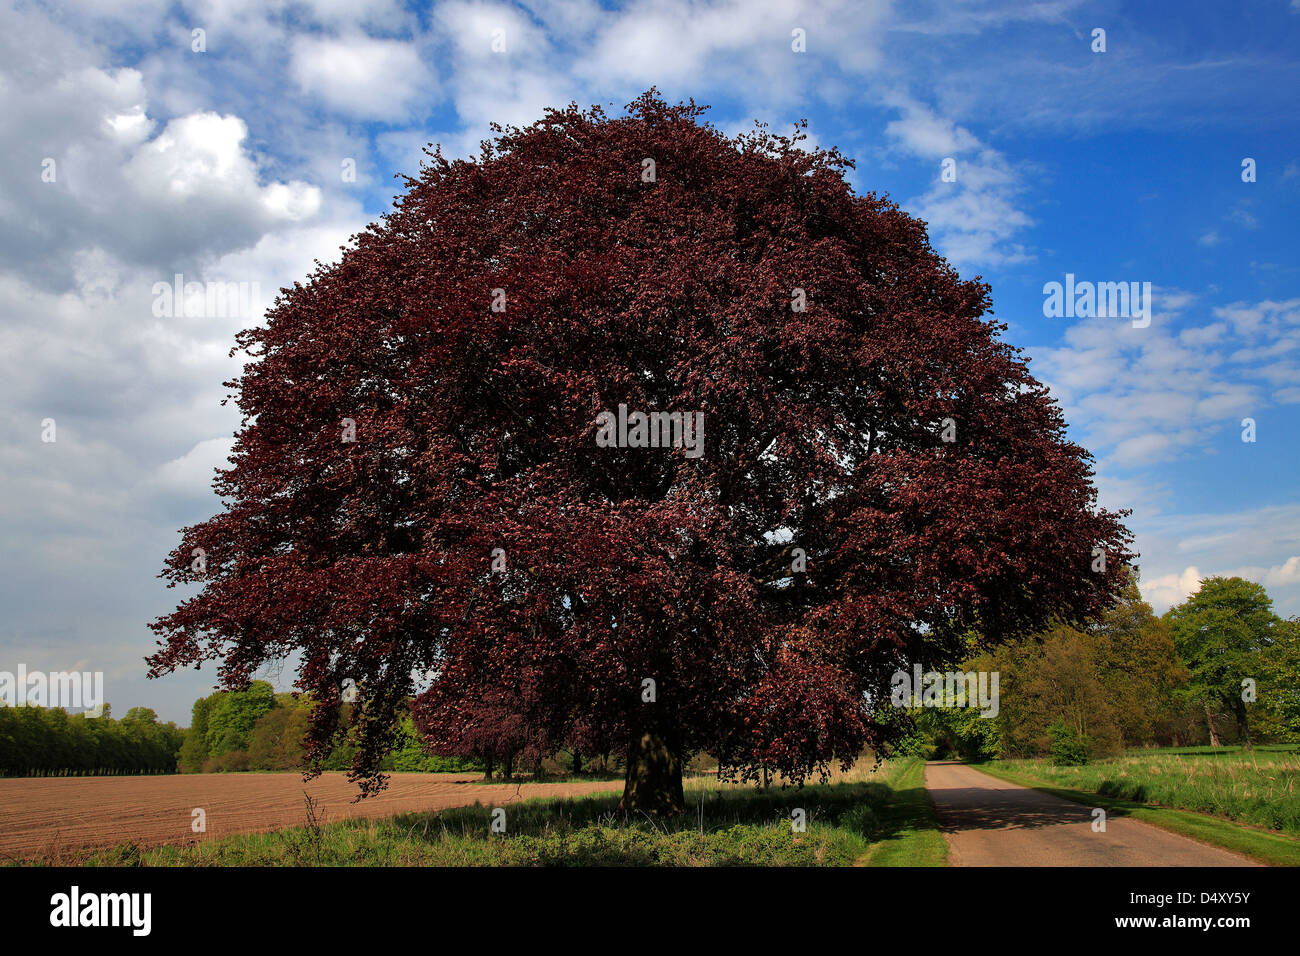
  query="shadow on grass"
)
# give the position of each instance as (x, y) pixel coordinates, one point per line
(719, 828)
(908, 812)
(851, 806)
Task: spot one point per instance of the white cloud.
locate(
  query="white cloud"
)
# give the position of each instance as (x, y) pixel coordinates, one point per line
(168, 197)
(927, 134)
(363, 77)
(194, 469)
(1249, 319)
(742, 46)
(201, 159)
(1243, 217)
(1283, 575)
(974, 218)
(1257, 543)
(88, 519)
(379, 13)
(1282, 581)
(1138, 396)
(1167, 590)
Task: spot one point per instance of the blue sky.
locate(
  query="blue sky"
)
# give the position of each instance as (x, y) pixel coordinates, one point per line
(226, 165)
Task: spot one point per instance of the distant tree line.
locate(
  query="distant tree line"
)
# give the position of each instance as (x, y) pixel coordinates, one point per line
(257, 729)
(49, 742)
(1220, 668)
(249, 729)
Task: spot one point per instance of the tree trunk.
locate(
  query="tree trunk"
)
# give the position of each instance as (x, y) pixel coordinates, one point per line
(654, 777)
(1243, 724)
(577, 763)
(1209, 720)
(487, 774)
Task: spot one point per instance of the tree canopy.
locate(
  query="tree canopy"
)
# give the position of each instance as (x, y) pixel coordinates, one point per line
(417, 491)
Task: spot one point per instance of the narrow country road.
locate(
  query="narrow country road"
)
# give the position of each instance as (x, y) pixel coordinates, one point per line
(989, 822)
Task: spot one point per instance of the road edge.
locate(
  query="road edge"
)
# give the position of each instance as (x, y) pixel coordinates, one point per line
(1261, 846)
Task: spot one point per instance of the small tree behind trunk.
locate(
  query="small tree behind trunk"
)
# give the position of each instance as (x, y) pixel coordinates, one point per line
(1243, 723)
(1209, 721)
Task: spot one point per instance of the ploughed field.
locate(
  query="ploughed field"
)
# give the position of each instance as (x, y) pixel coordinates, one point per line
(59, 819)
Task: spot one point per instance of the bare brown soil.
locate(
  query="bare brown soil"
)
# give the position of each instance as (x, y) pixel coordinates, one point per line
(60, 819)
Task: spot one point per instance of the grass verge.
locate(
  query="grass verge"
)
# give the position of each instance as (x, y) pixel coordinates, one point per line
(1257, 788)
(909, 832)
(1262, 845)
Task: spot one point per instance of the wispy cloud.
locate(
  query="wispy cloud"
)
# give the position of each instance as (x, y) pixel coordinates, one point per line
(1137, 396)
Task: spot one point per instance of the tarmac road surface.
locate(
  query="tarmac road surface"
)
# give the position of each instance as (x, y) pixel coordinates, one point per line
(989, 822)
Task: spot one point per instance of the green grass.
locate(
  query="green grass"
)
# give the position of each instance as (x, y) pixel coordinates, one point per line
(880, 817)
(1103, 785)
(1213, 751)
(1259, 788)
(909, 832)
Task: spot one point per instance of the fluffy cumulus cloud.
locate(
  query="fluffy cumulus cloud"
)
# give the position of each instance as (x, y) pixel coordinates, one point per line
(361, 76)
(107, 202)
(92, 170)
(1170, 589)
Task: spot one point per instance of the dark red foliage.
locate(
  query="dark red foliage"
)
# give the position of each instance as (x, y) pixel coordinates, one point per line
(490, 727)
(475, 430)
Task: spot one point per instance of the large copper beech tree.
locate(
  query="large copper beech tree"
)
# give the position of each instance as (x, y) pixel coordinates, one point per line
(880, 475)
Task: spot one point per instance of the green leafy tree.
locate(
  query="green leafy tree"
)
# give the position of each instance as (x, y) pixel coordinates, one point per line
(271, 745)
(959, 732)
(411, 754)
(1070, 746)
(1138, 666)
(45, 741)
(194, 751)
(1278, 707)
(233, 716)
(1222, 632)
(1051, 680)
